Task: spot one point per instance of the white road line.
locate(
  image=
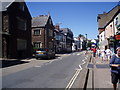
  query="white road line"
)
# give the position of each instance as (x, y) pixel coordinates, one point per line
(37, 66)
(73, 53)
(72, 80)
(80, 67)
(61, 58)
(75, 75)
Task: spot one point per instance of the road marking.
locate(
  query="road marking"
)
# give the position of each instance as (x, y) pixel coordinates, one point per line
(37, 66)
(78, 54)
(73, 54)
(73, 79)
(61, 58)
(75, 75)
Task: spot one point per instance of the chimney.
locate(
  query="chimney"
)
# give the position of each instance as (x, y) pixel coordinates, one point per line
(57, 27)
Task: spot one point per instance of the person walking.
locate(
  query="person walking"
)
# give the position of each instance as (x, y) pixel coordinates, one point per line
(103, 55)
(98, 52)
(94, 51)
(108, 53)
(115, 68)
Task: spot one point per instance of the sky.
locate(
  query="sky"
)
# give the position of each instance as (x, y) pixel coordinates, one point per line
(80, 17)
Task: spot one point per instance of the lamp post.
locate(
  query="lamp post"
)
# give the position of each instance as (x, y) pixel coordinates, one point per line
(86, 41)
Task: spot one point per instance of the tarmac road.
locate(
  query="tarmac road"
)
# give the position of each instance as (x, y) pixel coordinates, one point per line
(58, 73)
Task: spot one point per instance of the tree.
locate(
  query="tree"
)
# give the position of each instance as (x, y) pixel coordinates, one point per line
(80, 35)
(89, 44)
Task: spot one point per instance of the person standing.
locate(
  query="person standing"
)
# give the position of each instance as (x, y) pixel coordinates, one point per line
(115, 68)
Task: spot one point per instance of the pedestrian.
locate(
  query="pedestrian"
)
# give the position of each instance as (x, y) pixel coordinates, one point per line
(108, 53)
(94, 51)
(98, 52)
(115, 68)
(103, 54)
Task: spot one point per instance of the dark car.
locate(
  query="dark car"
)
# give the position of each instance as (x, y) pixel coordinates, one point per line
(44, 53)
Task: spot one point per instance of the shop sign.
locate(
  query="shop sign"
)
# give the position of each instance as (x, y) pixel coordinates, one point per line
(117, 37)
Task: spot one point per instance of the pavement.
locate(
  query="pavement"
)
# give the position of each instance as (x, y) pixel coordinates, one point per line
(99, 75)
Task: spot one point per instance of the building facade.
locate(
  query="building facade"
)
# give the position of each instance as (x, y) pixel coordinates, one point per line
(68, 39)
(16, 30)
(108, 27)
(42, 32)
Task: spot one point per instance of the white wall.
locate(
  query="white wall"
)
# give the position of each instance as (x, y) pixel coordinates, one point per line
(116, 22)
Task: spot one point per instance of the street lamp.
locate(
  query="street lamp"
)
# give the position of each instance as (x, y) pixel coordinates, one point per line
(86, 37)
(86, 41)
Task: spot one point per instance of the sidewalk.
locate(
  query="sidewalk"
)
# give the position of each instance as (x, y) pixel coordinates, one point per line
(99, 74)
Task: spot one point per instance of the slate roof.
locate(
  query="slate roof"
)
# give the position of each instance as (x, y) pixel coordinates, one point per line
(5, 4)
(105, 18)
(40, 21)
(66, 30)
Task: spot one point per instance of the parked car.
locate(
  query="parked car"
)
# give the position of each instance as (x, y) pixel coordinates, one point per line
(44, 53)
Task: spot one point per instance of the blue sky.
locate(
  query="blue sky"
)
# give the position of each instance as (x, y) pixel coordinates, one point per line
(80, 17)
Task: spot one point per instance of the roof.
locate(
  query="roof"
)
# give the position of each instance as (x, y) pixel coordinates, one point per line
(40, 21)
(66, 30)
(6, 3)
(105, 18)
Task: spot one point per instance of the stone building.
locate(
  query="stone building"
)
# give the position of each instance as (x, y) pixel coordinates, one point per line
(42, 32)
(16, 30)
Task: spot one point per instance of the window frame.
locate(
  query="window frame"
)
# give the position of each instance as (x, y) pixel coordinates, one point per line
(36, 34)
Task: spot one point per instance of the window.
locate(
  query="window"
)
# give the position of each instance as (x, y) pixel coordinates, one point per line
(21, 24)
(37, 32)
(37, 44)
(5, 23)
(116, 23)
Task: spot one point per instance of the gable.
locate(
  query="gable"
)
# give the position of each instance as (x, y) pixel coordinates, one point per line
(15, 4)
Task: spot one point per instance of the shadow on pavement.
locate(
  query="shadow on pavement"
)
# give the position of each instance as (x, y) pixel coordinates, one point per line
(7, 63)
(102, 66)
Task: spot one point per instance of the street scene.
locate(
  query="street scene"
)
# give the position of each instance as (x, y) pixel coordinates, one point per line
(57, 45)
